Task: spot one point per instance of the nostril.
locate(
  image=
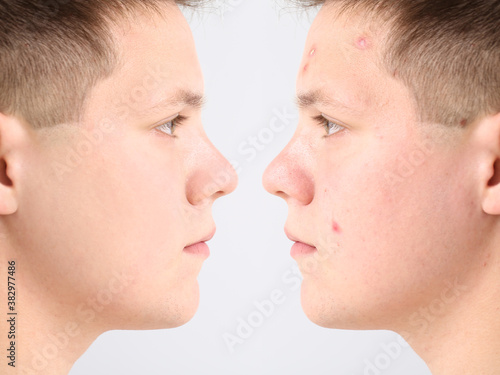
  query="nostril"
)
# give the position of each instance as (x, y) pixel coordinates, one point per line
(219, 194)
(281, 194)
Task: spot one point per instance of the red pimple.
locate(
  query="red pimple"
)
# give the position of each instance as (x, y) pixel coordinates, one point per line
(362, 43)
(336, 227)
(312, 52)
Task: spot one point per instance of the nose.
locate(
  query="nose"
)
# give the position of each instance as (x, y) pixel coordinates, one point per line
(211, 178)
(289, 176)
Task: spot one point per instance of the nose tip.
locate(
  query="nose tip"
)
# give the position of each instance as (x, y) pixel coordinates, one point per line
(289, 177)
(217, 180)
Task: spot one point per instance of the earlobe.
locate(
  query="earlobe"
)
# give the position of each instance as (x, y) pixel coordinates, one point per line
(491, 182)
(9, 132)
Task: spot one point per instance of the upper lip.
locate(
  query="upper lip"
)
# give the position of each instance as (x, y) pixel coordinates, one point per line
(291, 237)
(206, 238)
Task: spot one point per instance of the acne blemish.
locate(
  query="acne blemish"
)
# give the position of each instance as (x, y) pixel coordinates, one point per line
(486, 261)
(336, 227)
(362, 43)
(312, 52)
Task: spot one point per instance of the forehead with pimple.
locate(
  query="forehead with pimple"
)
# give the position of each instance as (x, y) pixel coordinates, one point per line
(360, 30)
(332, 36)
(343, 58)
(363, 42)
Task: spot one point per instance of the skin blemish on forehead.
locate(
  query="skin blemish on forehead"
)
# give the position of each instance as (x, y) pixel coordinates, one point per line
(363, 43)
(312, 52)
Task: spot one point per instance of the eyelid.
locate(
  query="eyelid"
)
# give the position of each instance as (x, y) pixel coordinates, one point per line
(338, 122)
(325, 121)
(176, 121)
(166, 120)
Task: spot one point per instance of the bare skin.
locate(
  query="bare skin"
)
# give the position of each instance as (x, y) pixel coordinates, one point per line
(100, 239)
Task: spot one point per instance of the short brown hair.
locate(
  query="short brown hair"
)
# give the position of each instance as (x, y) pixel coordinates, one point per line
(53, 52)
(447, 52)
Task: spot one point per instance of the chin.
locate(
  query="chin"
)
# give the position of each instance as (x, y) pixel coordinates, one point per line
(316, 307)
(325, 310)
(161, 312)
(177, 311)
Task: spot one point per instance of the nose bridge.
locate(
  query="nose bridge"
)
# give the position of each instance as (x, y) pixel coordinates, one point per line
(212, 176)
(290, 174)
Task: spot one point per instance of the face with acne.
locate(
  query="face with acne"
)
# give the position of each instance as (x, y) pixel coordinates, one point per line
(368, 187)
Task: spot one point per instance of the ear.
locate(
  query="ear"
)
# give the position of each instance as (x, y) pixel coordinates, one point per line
(490, 164)
(12, 133)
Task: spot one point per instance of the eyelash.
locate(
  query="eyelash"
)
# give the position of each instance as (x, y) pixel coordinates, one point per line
(178, 121)
(325, 123)
(320, 119)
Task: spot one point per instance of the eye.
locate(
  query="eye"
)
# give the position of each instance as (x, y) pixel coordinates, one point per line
(330, 126)
(170, 126)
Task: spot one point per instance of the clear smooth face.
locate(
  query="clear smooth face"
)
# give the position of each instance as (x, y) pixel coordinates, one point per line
(388, 205)
(107, 207)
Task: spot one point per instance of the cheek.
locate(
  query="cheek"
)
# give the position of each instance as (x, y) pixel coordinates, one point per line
(143, 192)
(117, 210)
(395, 235)
(148, 211)
(366, 214)
(358, 197)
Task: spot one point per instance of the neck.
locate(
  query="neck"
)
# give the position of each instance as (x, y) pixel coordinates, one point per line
(460, 333)
(49, 335)
(51, 340)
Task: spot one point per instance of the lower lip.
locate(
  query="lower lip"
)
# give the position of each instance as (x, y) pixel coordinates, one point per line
(200, 248)
(301, 249)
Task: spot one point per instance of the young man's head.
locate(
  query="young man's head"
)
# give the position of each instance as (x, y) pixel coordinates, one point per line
(392, 177)
(107, 175)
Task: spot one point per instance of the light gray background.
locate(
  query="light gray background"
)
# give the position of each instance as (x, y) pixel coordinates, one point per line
(250, 52)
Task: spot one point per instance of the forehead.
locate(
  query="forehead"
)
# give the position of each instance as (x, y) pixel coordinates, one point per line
(155, 34)
(343, 58)
(157, 59)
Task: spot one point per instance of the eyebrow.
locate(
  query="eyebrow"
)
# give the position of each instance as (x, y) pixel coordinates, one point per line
(308, 99)
(182, 98)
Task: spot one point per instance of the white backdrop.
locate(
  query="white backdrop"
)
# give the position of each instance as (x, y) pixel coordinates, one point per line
(249, 51)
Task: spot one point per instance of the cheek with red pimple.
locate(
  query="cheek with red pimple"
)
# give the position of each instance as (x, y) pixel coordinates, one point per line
(336, 227)
(328, 215)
